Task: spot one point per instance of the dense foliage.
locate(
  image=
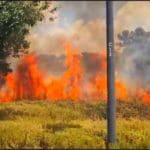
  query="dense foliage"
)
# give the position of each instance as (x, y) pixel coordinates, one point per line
(16, 18)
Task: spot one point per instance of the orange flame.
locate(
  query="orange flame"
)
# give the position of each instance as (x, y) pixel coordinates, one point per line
(29, 82)
(144, 95)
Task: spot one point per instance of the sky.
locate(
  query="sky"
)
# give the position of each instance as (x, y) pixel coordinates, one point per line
(83, 23)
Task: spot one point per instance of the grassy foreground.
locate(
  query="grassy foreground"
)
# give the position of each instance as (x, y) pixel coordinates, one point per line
(66, 124)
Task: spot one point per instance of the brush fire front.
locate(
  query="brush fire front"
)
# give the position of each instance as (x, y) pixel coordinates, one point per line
(28, 81)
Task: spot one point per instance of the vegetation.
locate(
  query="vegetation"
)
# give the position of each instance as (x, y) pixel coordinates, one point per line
(67, 124)
(16, 18)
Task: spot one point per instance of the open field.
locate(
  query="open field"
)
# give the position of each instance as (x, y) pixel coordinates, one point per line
(66, 124)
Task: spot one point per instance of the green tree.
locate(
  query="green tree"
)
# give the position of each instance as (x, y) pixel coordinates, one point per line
(16, 18)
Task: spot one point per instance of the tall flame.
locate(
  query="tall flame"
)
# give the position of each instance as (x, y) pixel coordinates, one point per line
(29, 82)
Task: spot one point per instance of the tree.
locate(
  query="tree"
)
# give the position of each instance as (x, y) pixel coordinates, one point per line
(135, 61)
(16, 18)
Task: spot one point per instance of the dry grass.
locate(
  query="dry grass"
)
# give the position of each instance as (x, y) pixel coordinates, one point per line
(66, 124)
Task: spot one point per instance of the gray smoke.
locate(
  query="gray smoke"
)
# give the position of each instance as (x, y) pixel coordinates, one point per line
(83, 23)
(135, 59)
(86, 10)
(53, 64)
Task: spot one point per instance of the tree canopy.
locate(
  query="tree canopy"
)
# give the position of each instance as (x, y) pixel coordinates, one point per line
(16, 18)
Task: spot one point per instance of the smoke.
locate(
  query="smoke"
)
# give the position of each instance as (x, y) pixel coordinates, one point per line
(55, 64)
(86, 10)
(88, 36)
(83, 23)
(134, 62)
(132, 15)
(87, 30)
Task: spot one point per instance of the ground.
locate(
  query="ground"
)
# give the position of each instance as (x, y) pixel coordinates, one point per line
(67, 124)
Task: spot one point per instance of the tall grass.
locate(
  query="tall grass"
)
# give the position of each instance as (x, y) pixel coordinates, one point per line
(66, 124)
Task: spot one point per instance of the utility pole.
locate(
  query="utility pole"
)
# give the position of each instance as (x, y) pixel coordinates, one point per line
(111, 104)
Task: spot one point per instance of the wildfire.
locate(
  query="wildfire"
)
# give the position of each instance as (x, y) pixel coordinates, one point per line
(29, 82)
(144, 95)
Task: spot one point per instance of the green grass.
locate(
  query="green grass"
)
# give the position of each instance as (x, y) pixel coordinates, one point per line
(66, 124)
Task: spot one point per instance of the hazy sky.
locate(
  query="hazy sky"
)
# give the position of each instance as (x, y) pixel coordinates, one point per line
(83, 23)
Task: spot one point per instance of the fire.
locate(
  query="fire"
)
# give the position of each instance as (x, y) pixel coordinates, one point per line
(100, 80)
(68, 85)
(144, 95)
(29, 82)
